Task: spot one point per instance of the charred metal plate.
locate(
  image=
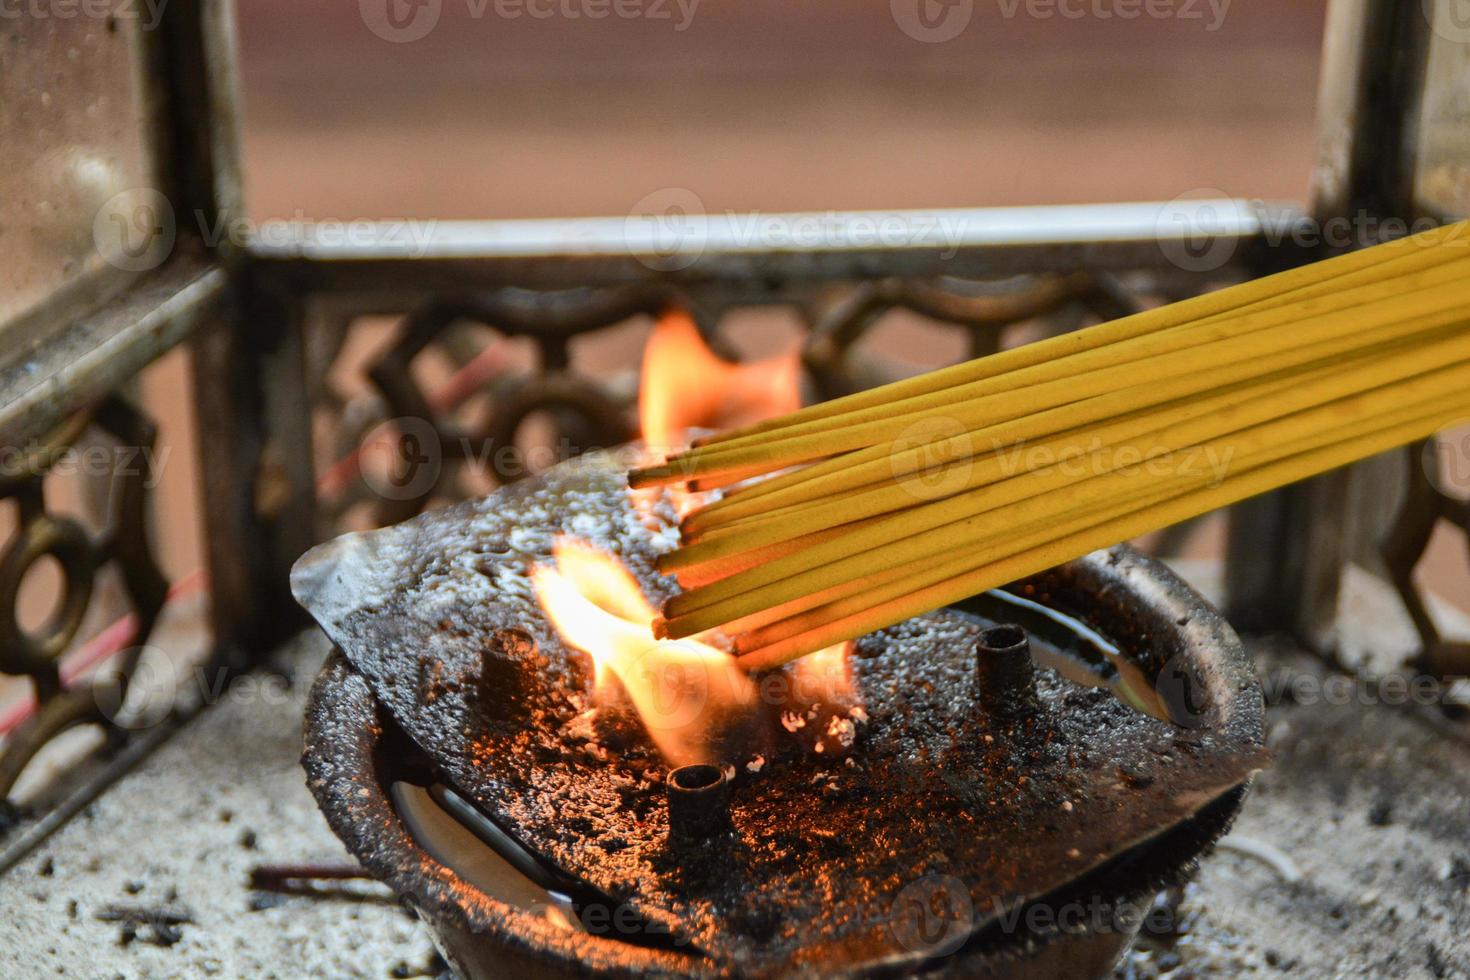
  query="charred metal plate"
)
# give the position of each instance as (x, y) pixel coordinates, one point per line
(439, 617)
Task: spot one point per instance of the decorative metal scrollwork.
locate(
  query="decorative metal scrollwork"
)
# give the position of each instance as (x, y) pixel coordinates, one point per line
(584, 412)
(433, 445)
(982, 310)
(37, 653)
(1424, 506)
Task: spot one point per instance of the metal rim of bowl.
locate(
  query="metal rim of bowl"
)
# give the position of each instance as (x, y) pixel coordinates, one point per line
(1154, 615)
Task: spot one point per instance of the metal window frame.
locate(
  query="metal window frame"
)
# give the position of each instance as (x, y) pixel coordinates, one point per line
(1288, 550)
(244, 310)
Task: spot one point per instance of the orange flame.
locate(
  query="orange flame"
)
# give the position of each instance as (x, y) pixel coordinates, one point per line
(825, 675)
(685, 386)
(683, 691)
(824, 710)
(688, 694)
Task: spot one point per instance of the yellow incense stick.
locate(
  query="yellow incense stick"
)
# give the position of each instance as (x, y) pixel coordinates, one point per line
(1099, 536)
(907, 494)
(1328, 275)
(1440, 296)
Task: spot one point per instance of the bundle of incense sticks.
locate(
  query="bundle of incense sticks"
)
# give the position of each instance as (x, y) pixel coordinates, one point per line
(859, 513)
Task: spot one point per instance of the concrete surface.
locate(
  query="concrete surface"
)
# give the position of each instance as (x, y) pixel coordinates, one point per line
(180, 835)
(1351, 857)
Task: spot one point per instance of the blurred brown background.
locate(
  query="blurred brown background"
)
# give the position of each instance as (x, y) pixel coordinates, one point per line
(771, 105)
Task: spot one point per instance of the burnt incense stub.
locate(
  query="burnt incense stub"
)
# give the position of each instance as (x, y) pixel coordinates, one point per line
(699, 805)
(1006, 675)
(815, 849)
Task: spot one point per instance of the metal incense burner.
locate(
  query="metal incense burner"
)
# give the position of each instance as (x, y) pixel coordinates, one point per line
(442, 777)
(983, 797)
(120, 271)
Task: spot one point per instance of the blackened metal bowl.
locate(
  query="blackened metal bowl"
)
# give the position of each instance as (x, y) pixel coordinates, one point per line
(1172, 636)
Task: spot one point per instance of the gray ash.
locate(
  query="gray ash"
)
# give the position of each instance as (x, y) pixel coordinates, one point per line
(438, 616)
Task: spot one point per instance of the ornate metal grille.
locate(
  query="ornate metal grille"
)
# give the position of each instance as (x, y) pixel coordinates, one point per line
(267, 323)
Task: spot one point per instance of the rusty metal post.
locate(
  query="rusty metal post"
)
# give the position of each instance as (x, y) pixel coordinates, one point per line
(1006, 674)
(699, 804)
(1288, 549)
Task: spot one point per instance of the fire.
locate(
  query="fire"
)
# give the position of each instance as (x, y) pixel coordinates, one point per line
(685, 692)
(594, 603)
(823, 709)
(685, 386)
(691, 697)
(827, 674)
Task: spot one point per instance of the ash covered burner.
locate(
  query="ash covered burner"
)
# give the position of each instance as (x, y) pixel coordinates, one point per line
(971, 790)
